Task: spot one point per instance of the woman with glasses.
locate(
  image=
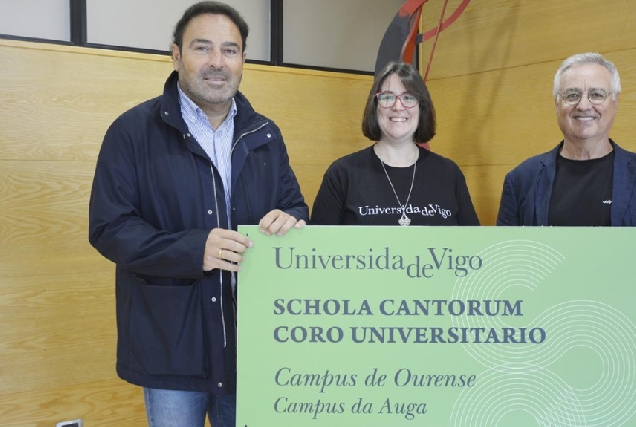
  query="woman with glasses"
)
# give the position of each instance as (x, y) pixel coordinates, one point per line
(395, 181)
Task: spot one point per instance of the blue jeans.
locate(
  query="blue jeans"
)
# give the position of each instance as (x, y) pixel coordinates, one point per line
(175, 408)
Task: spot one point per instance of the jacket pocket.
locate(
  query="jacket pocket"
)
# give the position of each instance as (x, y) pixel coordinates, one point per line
(166, 330)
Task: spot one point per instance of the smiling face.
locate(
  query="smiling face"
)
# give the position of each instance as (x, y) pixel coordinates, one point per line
(210, 62)
(397, 123)
(586, 122)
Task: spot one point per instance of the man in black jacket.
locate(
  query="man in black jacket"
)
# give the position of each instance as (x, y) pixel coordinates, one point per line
(175, 176)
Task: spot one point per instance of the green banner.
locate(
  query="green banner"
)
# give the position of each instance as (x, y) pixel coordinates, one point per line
(438, 326)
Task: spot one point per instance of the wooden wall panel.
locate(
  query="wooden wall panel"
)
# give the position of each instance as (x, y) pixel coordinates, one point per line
(320, 116)
(61, 100)
(496, 34)
(508, 115)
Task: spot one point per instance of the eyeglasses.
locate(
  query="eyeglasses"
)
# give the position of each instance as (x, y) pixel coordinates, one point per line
(595, 96)
(388, 99)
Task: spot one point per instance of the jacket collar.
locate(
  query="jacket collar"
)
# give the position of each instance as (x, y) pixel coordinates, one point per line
(246, 121)
(543, 185)
(246, 118)
(170, 107)
(624, 179)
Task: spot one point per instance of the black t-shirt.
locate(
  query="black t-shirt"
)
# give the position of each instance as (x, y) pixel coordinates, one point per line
(582, 192)
(356, 191)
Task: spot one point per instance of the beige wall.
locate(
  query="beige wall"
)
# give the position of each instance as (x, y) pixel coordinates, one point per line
(57, 327)
(492, 73)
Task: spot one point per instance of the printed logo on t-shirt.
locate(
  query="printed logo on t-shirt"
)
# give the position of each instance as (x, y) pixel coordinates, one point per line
(429, 210)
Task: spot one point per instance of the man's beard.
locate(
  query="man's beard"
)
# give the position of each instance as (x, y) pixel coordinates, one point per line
(216, 96)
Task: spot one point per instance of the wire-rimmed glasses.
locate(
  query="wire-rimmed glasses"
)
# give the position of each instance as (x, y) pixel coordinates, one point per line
(574, 96)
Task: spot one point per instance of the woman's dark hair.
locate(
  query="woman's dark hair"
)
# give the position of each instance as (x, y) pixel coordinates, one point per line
(414, 84)
(209, 8)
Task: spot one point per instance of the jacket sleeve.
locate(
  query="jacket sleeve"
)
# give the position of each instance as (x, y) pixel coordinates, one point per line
(291, 200)
(508, 211)
(117, 228)
(328, 208)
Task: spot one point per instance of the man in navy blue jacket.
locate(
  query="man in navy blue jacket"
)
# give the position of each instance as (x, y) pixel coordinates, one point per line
(174, 177)
(587, 180)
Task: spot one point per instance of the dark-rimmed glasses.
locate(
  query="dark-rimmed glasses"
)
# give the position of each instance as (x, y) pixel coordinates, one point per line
(388, 99)
(595, 96)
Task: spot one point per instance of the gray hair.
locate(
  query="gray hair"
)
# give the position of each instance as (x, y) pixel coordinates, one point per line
(587, 58)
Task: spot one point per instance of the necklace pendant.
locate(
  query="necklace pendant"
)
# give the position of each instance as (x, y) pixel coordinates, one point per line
(404, 220)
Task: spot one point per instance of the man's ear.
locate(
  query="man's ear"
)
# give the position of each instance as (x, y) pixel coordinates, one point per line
(176, 57)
